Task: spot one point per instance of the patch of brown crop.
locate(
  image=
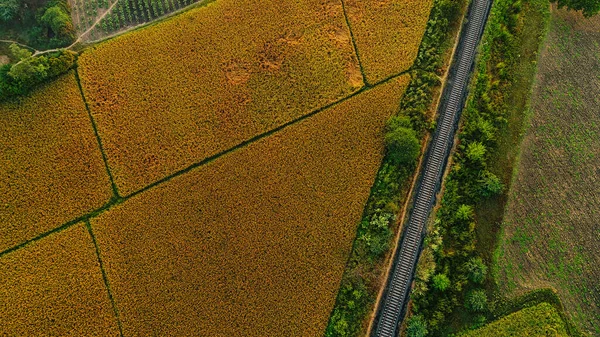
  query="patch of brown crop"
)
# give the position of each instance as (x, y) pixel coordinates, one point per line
(190, 87)
(552, 231)
(54, 287)
(255, 242)
(387, 33)
(51, 168)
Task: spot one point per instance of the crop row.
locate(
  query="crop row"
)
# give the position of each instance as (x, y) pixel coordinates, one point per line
(127, 13)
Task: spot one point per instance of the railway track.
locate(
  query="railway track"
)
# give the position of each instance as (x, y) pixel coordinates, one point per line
(393, 303)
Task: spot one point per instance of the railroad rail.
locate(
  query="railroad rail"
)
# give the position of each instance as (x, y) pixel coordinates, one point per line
(393, 303)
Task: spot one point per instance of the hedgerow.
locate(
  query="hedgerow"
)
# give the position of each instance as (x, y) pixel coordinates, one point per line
(172, 94)
(387, 34)
(255, 242)
(450, 245)
(361, 281)
(19, 78)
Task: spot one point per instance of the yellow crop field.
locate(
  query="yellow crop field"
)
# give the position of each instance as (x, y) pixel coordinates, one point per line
(387, 33)
(51, 169)
(180, 91)
(255, 242)
(54, 287)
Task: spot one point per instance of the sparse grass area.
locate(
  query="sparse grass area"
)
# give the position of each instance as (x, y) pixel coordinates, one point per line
(255, 242)
(180, 91)
(387, 33)
(550, 235)
(541, 320)
(51, 170)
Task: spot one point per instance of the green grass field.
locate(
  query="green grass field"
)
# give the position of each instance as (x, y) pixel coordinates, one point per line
(550, 233)
(542, 320)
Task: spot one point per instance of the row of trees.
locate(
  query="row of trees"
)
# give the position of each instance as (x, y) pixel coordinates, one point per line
(402, 139)
(450, 274)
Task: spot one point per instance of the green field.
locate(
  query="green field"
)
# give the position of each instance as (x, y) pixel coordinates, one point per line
(550, 232)
(541, 320)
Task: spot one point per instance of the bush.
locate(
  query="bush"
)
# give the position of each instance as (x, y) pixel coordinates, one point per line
(441, 282)
(417, 327)
(476, 301)
(489, 185)
(476, 270)
(403, 146)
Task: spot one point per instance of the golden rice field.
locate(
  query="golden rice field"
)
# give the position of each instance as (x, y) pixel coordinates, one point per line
(255, 242)
(51, 169)
(180, 91)
(54, 287)
(387, 33)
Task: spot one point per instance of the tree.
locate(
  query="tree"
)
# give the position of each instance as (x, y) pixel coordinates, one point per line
(8, 9)
(417, 327)
(476, 152)
(476, 270)
(59, 21)
(588, 7)
(464, 213)
(489, 185)
(403, 146)
(18, 52)
(476, 300)
(441, 282)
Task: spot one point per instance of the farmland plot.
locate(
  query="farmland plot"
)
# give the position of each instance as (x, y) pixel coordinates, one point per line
(183, 90)
(55, 288)
(51, 169)
(551, 231)
(96, 19)
(387, 33)
(255, 242)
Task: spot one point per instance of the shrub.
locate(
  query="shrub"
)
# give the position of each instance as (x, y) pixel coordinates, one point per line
(441, 282)
(489, 185)
(476, 300)
(403, 146)
(475, 152)
(476, 270)
(417, 327)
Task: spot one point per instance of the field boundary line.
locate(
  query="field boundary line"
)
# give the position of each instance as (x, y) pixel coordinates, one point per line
(118, 199)
(98, 139)
(88, 226)
(263, 135)
(355, 47)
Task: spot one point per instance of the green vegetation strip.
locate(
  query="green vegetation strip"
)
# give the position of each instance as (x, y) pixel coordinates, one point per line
(464, 232)
(362, 277)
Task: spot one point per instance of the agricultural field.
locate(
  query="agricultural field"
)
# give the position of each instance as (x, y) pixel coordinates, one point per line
(255, 242)
(180, 91)
(550, 232)
(387, 34)
(97, 19)
(542, 320)
(51, 170)
(54, 287)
